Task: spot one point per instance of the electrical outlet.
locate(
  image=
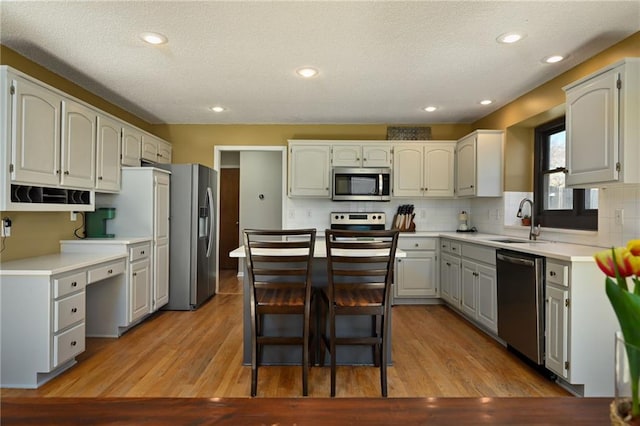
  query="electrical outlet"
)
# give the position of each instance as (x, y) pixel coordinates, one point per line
(292, 214)
(5, 227)
(619, 217)
(73, 216)
(309, 213)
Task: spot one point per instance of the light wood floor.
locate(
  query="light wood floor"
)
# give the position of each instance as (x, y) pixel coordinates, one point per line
(198, 354)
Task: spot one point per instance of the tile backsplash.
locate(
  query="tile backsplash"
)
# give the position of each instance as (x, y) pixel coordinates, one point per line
(618, 215)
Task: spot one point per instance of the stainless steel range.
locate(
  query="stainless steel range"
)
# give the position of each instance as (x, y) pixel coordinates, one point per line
(358, 221)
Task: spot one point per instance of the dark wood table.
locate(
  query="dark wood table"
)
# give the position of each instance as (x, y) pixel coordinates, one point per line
(305, 411)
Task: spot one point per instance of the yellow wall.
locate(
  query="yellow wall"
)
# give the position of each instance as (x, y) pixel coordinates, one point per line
(38, 233)
(195, 143)
(540, 105)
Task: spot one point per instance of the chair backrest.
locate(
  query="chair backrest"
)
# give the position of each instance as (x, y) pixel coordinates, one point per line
(279, 258)
(361, 260)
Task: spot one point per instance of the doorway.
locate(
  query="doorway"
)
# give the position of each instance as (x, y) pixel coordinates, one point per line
(253, 164)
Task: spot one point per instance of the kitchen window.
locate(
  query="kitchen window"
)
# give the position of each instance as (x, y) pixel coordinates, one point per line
(558, 206)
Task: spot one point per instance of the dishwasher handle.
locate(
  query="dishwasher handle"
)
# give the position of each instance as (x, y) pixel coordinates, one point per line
(515, 260)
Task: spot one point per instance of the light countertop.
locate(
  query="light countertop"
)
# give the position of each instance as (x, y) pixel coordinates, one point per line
(550, 249)
(102, 241)
(53, 264)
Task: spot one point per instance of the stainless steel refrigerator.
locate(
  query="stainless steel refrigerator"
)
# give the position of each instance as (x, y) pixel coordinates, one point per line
(192, 251)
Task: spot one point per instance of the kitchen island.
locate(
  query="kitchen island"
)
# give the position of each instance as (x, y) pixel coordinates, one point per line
(285, 355)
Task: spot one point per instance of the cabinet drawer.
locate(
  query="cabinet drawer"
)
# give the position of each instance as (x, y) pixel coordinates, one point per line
(455, 247)
(68, 311)
(105, 271)
(69, 284)
(557, 274)
(445, 246)
(139, 252)
(68, 344)
(479, 253)
(417, 243)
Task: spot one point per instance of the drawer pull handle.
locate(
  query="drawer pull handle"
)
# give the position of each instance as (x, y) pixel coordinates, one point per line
(74, 310)
(74, 343)
(135, 274)
(110, 271)
(142, 252)
(417, 245)
(74, 284)
(552, 273)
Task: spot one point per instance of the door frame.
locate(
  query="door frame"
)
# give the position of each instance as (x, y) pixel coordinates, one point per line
(217, 150)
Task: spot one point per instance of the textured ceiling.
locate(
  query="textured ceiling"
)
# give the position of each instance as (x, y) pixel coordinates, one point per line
(379, 61)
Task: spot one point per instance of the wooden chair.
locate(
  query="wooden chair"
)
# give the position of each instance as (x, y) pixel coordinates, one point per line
(279, 267)
(360, 273)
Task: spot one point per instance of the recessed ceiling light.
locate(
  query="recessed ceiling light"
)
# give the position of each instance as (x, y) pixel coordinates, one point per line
(307, 72)
(430, 108)
(509, 38)
(486, 102)
(154, 38)
(553, 59)
(217, 109)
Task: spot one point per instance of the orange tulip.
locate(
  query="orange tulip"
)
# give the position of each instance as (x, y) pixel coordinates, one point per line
(626, 262)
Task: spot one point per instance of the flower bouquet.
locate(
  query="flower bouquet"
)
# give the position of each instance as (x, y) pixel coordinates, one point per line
(620, 263)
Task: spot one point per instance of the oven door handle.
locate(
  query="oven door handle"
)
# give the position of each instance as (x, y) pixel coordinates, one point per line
(515, 260)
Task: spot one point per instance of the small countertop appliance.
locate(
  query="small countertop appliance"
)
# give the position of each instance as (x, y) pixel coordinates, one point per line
(96, 222)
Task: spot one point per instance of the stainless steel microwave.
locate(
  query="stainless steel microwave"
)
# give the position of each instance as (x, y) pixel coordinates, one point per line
(361, 184)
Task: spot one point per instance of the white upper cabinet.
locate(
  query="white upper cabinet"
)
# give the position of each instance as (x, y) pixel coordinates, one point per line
(479, 164)
(360, 155)
(164, 152)
(108, 155)
(309, 170)
(35, 139)
(603, 129)
(131, 146)
(155, 150)
(78, 167)
(424, 169)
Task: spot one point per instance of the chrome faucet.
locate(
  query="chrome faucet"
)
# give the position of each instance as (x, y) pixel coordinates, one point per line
(533, 230)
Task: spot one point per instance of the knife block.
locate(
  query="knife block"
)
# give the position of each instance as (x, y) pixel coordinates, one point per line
(407, 225)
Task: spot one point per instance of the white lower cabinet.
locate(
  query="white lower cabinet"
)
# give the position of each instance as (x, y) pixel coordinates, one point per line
(43, 315)
(133, 301)
(468, 281)
(556, 314)
(416, 274)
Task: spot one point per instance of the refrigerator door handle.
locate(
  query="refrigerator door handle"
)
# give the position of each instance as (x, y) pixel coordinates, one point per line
(211, 221)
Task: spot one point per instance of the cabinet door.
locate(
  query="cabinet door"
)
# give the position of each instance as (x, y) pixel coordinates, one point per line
(149, 150)
(164, 152)
(455, 282)
(35, 138)
(376, 155)
(556, 330)
(78, 162)
(108, 155)
(309, 171)
(346, 155)
(469, 288)
(140, 286)
(487, 312)
(161, 241)
(592, 130)
(131, 146)
(438, 170)
(445, 278)
(416, 275)
(466, 166)
(407, 170)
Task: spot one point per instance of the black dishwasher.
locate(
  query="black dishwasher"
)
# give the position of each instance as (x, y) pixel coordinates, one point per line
(521, 302)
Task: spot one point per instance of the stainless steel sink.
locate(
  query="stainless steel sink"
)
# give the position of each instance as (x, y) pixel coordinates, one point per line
(512, 241)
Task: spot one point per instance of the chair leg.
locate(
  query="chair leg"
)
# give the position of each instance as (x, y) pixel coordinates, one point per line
(383, 357)
(305, 355)
(332, 350)
(254, 359)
